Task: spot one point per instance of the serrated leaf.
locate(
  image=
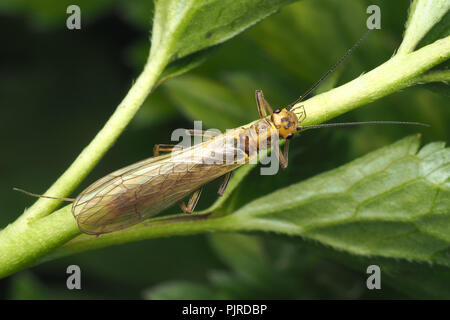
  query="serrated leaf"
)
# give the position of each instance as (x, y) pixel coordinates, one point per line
(393, 202)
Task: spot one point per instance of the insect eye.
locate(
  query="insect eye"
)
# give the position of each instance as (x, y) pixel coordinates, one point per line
(277, 111)
(289, 136)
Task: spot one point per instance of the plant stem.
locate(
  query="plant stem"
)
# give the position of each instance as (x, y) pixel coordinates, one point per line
(22, 244)
(174, 226)
(395, 74)
(36, 233)
(89, 157)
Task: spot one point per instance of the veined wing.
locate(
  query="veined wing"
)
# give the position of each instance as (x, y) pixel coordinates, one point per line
(131, 194)
(90, 207)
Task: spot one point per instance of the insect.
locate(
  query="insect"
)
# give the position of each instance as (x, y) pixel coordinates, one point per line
(141, 190)
(144, 189)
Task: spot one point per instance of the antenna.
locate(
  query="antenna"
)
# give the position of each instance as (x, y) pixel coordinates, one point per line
(42, 196)
(344, 124)
(349, 51)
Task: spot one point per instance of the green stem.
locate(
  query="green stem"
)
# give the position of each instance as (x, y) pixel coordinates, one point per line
(23, 244)
(36, 233)
(155, 228)
(395, 74)
(105, 138)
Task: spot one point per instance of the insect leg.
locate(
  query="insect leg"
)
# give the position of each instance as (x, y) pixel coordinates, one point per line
(262, 104)
(286, 153)
(164, 148)
(192, 202)
(223, 186)
(282, 157)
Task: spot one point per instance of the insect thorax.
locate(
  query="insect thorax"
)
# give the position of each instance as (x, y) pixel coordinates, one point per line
(259, 136)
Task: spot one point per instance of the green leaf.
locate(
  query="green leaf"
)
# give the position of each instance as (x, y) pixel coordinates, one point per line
(184, 31)
(439, 31)
(393, 202)
(423, 15)
(187, 26)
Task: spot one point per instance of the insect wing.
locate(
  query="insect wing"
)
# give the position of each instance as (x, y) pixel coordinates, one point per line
(109, 204)
(129, 195)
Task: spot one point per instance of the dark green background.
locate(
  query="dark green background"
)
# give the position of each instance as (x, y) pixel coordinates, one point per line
(58, 87)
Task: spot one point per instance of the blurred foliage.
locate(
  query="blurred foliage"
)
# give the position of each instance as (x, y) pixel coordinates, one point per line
(58, 87)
